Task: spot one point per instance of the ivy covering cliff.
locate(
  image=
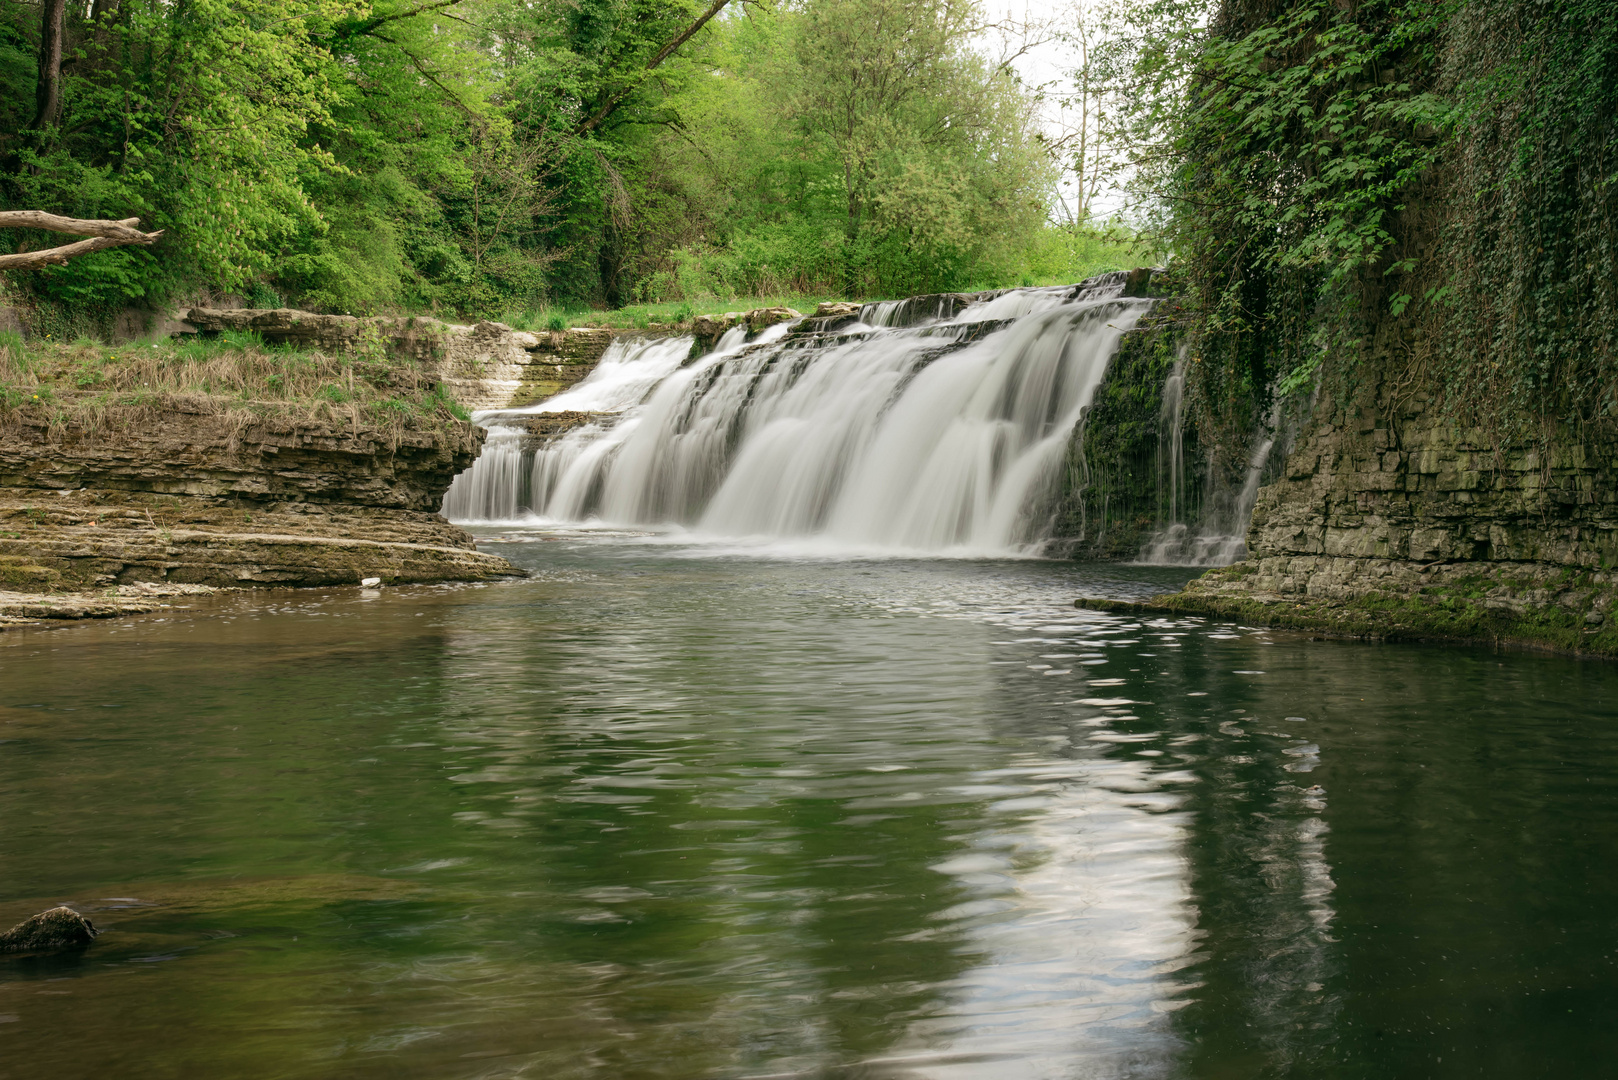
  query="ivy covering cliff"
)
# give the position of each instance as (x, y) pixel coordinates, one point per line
(1426, 187)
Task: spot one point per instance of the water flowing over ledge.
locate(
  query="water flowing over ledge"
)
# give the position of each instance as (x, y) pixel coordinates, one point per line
(934, 425)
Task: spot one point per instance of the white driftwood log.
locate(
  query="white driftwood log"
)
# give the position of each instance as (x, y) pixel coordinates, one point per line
(103, 234)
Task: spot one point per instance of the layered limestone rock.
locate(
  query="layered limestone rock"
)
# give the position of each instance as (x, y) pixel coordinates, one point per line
(191, 449)
(1393, 520)
(196, 497)
(105, 539)
(1411, 485)
(484, 366)
(708, 329)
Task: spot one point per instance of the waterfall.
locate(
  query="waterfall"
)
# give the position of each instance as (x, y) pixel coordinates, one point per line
(935, 424)
(1220, 538)
(495, 488)
(1171, 442)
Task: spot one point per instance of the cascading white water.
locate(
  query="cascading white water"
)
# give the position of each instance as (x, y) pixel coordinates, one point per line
(1220, 539)
(929, 425)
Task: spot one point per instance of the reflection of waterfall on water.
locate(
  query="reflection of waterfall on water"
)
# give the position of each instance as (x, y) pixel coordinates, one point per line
(931, 424)
(1262, 829)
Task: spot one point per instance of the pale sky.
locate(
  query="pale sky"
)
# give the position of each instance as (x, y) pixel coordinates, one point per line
(1047, 63)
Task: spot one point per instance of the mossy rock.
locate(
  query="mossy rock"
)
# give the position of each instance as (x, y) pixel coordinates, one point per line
(22, 574)
(58, 928)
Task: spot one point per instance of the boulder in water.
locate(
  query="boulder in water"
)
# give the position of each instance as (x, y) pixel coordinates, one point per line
(58, 928)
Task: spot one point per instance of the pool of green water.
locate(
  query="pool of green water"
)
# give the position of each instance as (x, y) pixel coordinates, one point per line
(668, 811)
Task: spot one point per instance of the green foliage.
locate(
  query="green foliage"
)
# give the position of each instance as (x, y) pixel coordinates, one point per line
(1424, 182)
(850, 147)
(1282, 142)
(1523, 312)
(485, 156)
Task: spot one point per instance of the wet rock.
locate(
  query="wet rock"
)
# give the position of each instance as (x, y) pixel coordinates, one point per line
(1139, 281)
(837, 307)
(58, 928)
(708, 329)
(546, 426)
(760, 318)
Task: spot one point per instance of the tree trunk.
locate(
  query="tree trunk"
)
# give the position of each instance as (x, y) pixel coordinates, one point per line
(103, 13)
(105, 234)
(48, 94)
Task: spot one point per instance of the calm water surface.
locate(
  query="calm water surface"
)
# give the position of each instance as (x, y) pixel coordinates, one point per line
(663, 811)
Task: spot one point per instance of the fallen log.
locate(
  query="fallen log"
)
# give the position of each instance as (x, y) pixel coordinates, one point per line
(103, 234)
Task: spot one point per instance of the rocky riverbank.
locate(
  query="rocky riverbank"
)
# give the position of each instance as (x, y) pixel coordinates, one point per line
(130, 477)
(1392, 521)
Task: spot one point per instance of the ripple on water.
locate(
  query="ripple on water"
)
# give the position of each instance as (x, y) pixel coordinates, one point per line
(702, 817)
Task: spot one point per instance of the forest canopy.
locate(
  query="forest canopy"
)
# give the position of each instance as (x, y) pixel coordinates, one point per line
(480, 155)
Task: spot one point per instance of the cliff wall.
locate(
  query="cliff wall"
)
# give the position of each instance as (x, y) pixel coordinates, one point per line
(1394, 520)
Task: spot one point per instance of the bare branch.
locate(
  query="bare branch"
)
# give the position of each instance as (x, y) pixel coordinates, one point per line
(105, 234)
(38, 219)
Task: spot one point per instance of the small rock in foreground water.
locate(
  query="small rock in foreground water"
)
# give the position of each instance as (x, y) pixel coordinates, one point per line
(57, 928)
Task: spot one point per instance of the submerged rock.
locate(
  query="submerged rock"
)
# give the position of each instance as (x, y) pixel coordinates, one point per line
(58, 928)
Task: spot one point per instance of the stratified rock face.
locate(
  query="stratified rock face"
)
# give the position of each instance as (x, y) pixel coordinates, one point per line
(98, 539)
(1396, 521)
(58, 928)
(1411, 485)
(485, 366)
(193, 496)
(203, 453)
(563, 358)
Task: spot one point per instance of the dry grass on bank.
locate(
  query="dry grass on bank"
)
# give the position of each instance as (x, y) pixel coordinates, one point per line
(657, 316)
(235, 376)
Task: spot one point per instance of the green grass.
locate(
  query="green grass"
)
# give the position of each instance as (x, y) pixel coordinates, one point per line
(1084, 258)
(1062, 257)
